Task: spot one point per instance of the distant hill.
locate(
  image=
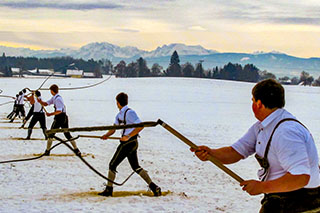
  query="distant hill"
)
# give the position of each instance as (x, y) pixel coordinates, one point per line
(278, 63)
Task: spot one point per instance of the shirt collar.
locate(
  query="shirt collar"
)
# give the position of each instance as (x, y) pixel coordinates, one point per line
(271, 117)
(124, 108)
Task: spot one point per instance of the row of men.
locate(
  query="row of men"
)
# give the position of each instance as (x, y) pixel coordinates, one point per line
(289, 177)
(18, 107)
(128, 143)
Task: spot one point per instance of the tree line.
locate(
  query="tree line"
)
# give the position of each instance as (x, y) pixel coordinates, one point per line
(139, 68)
(58, 64)
(230, 71)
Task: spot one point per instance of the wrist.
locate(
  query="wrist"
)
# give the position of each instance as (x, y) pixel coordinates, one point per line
(264, 187)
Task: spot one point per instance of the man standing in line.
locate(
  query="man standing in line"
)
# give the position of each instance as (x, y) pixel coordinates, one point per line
(14, 110)
(38, 114)
(60, 118)
(20, 106)
(285, 149)
(30, 113)
(128, 146)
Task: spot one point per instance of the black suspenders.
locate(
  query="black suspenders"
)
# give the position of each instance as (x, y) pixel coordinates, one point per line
(263, 161)
(124, 120)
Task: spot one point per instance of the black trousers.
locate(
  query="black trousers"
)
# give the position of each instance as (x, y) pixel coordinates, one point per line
(60, 121)
(292, 202)
(14, 110)
(127, 149)
(38, 116)
(20, 109)
(30, 113)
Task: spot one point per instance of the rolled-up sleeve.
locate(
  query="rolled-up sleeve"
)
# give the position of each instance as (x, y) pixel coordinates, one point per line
(59, 104)
(133, 117)
(245, 146)
(50, 101)
(289, 144)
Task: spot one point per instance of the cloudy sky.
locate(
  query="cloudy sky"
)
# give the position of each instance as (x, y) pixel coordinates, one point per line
(289, 26)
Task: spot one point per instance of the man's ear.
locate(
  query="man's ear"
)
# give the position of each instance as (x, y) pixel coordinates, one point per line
(259, 104)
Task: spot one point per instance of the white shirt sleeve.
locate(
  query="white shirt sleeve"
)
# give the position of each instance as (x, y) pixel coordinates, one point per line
(132, 117)
(59, 104)
(245, 146)
(289, 144)
(50, 101)
(116, 121)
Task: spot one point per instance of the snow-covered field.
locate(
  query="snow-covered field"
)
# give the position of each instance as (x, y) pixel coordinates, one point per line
(211, 112)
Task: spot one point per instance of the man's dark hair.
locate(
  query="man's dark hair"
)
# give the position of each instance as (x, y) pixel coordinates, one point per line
(270, 93)
(122, 99)
(20, 93)
(24, 90)
(54, 88)
(38, 93)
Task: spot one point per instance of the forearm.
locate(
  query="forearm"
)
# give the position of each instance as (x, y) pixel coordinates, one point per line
(226, 155)
(110, 132)
(42, 102)
(286, 183)
(135, 132)
(54, 113)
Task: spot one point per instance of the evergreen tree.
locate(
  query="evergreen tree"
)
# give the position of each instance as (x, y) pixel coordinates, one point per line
(143, 69)
(156, 70)
(132, 70)
(199, 72)
(174, 58)
(120, 69)
(306, 78)
(174, 69)
(187, 70)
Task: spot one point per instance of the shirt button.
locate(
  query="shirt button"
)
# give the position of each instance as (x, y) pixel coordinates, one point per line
(259, 142)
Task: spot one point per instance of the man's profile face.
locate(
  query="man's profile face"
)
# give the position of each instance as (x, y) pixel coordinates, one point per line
(52, 93)
(255, 107)
(119, 106)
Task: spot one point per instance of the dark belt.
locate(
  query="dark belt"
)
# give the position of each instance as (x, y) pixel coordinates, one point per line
(297, 193)
(62, 114)
(130, 140)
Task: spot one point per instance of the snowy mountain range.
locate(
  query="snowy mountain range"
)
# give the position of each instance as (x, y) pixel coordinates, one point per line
(278, 63)
(106, 50)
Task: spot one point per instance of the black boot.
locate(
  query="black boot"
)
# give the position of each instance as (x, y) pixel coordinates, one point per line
(45, 135)
(47, 153)
(29, 134)
(107, 192)
(77, 151)
(155, 189)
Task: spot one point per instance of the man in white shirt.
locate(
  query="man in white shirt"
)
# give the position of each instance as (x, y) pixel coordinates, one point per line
(285, 149)
(128, 146)
(14, 110)
(20, 105)
(37, 114)
(60, 118)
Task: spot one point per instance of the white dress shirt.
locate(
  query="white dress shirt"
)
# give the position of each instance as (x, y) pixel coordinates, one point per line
(58, 103)
(37, 107)
(21, 99)
(131, 118)
(292, 147)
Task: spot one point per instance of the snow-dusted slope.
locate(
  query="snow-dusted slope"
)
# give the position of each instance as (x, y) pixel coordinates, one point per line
(211, 112)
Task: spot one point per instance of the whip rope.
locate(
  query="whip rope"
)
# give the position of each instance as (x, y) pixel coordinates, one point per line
(83, 87)
(64, 142)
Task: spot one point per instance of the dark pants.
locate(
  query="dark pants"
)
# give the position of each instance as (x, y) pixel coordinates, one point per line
(38, 116)
(60, 121)
(128, 150)
(14, 110)
(291, 202)
(20, 109)
(30, 113)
